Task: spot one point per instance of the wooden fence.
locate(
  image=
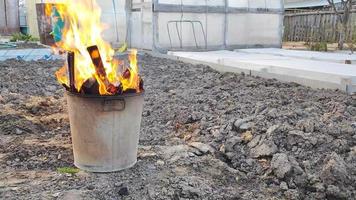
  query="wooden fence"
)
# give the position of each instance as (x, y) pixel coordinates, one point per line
(9, 17)
(316, 26)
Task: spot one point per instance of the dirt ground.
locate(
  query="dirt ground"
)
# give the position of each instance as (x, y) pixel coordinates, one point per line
(204, 135)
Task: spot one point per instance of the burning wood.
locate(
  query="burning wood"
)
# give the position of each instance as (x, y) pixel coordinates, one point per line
(126, 74)
(141, 84)
(90, 86)
(70, 63)
(100, 70)
(98, 63)
(91, 66)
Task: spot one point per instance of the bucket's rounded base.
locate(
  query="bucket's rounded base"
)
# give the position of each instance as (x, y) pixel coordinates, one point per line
(97, 169)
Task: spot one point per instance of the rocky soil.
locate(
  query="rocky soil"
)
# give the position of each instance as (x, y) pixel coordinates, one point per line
(204, 135)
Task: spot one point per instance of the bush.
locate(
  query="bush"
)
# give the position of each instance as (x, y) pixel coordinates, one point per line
(319, 46)
(352, 43)
(22, 37)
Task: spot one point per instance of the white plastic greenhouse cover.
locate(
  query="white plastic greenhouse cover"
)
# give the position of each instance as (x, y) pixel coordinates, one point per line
(206, 24)
(113, 15)
(164, 25)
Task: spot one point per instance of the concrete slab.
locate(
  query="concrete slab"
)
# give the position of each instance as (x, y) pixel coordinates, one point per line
(338, 57)
(20, 52)
(2, 58)
(28, 54)
(39, 52)
(2, 53)
(316, 74)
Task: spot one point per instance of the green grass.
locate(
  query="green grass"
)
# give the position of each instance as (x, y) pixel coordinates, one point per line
(68, 170)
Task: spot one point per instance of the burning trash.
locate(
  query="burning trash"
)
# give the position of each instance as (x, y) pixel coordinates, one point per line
(91, 67)
(104, 95)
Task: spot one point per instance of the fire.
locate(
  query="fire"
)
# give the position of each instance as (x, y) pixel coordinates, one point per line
(81, 34)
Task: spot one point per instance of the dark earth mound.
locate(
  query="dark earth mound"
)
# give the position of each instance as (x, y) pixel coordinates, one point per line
(204, 135)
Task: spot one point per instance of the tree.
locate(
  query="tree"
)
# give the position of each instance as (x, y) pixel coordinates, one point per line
(343, 13)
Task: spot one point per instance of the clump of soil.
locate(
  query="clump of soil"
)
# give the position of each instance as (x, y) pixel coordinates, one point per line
(204, 135)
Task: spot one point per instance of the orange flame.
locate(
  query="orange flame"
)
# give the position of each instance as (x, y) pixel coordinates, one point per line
(83, 29)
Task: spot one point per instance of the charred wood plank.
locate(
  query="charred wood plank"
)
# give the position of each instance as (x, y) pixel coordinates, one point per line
(71, 70)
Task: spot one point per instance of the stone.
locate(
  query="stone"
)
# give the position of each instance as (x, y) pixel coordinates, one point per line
(247, 136)
(18, 131)
(175, 152)
(146, 154)
(231, 142)
(173, 92)
(56, 195)
(204, 148)
(281, 165)
(196, 132)
(190, 192)
(160, 162)
(246, 126)
(34, 110)
(83, 174)
(318, 187)
(270, 131)
(296, 167)
(123, 191)
(254, 142)
(267, 148)
(222, 148)
(295, 137)
(239, 122)
(334, 193)
(292, 194)
(353, 125)
(90, 187)
(216, 133)
(300, 180)
(307, 126)
(260, 108)
(273, 112)
(72, 195)
(334, 170)
(283, 186)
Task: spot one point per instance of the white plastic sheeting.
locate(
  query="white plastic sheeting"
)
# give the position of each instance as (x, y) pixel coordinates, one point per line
(194, 25)
(113, 15)
(141, 29)
(206, 24)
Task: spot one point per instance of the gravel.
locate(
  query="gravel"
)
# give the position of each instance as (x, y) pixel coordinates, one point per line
(204, 135)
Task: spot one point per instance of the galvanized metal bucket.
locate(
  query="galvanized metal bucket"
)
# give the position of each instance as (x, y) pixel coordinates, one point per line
(105, 130)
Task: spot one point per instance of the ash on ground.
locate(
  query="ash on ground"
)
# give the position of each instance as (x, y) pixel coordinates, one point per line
(204, 135)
